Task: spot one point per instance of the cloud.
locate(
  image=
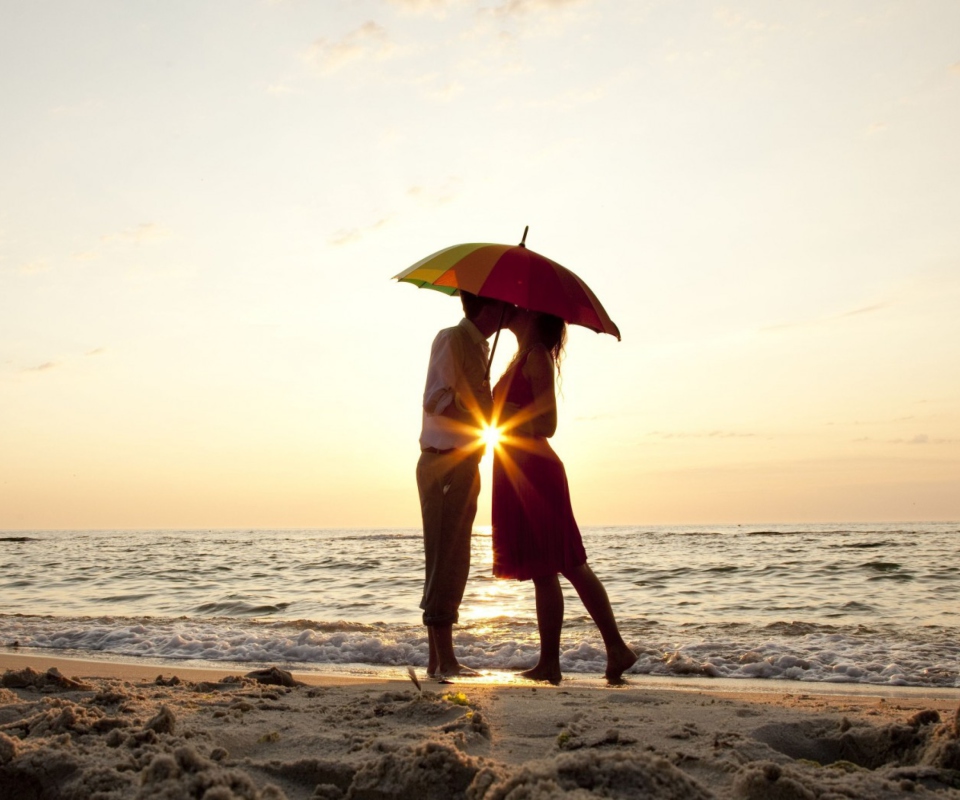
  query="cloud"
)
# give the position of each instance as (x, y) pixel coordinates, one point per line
(955, 68)
(430, 195)
(888, 421)
(856, 312)
(81, 109)
(279, 88)
(510, 22)
(44, 367)
(139, 234)
(922, 438)
(438, 195)
(351, 235)
(144, 233)
(425, 6)
(368, 41)
(862, 310)
(576, 97)
(512, 8)
(33, 267)
(443, 92)
(734, 19)
(701, 435)
(876, 127)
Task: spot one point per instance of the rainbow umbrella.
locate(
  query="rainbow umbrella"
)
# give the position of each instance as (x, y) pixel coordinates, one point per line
(516, 275)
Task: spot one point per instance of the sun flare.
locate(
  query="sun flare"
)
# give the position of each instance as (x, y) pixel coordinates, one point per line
(490, 436)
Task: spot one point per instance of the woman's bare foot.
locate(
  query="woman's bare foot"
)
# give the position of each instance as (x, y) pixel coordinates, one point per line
(618, 663)
(548, 674)
(456, 670)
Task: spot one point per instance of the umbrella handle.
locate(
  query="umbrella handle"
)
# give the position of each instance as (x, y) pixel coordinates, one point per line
(493, 349)
(523, 243)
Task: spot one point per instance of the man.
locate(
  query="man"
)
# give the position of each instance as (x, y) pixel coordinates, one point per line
(456, 404)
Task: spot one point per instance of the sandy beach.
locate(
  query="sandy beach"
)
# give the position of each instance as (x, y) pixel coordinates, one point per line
(85, 729)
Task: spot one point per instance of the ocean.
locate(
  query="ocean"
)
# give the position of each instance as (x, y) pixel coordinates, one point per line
(861, 604)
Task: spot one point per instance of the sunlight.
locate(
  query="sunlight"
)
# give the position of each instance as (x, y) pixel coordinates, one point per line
(493, 602)
(490, 436)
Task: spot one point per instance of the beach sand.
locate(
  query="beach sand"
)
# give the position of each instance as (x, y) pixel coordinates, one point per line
(88, 729)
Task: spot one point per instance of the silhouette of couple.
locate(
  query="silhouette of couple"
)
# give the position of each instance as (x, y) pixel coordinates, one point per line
(535, 536)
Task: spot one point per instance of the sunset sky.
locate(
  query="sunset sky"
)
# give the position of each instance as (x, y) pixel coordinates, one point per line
(202, 204)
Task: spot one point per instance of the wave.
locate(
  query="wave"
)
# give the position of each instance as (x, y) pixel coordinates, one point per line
(865, 545)
(882, 566)
(239, 608)
(795, 650)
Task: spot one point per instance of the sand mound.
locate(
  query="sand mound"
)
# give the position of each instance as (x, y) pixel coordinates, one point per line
(61, 748)
(591, 774)
(438, 771)
(141, 767)
(860, 761)
(49, 681)
(431, 771)
(65, 739)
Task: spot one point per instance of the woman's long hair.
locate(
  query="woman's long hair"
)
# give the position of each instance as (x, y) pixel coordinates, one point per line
(552, 332)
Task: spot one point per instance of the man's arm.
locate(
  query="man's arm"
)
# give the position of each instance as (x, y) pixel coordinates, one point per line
(448, 393)
(442, 375)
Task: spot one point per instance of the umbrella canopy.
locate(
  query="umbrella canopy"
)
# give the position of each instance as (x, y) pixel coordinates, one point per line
(516, 275)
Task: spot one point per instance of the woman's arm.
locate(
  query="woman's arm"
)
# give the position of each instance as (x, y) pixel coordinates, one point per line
(540, 419)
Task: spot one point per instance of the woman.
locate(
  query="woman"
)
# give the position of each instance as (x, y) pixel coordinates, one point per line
(534, 533)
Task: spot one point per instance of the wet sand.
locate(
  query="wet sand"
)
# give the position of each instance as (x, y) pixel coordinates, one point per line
(123, 730)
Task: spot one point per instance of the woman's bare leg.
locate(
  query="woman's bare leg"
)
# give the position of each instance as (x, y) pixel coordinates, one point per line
(619, 657)
(549, 622)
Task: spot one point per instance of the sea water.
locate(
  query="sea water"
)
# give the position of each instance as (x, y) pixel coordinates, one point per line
(864, 603)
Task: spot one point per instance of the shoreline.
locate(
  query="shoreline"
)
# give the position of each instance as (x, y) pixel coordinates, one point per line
(149, 669)
(120, 729)
(86, 667)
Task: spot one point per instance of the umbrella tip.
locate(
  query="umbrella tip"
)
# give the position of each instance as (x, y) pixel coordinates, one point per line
(523, 241)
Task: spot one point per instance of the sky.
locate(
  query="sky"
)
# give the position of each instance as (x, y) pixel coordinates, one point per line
(202, 205)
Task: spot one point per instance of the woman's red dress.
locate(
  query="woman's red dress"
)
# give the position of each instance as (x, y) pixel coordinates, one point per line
(534, 532)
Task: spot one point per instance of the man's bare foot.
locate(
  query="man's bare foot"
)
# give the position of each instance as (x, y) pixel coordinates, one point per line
(453, 671)
(618, 663)
(548, 674)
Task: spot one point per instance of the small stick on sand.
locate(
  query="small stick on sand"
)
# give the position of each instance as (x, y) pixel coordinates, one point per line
(416, 681)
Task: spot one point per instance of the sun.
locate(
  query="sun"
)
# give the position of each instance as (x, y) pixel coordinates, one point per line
(490, 436)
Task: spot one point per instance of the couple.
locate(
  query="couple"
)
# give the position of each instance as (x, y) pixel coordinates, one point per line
(534, 533)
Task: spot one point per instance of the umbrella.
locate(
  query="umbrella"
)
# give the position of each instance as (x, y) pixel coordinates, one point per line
(516, 275)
